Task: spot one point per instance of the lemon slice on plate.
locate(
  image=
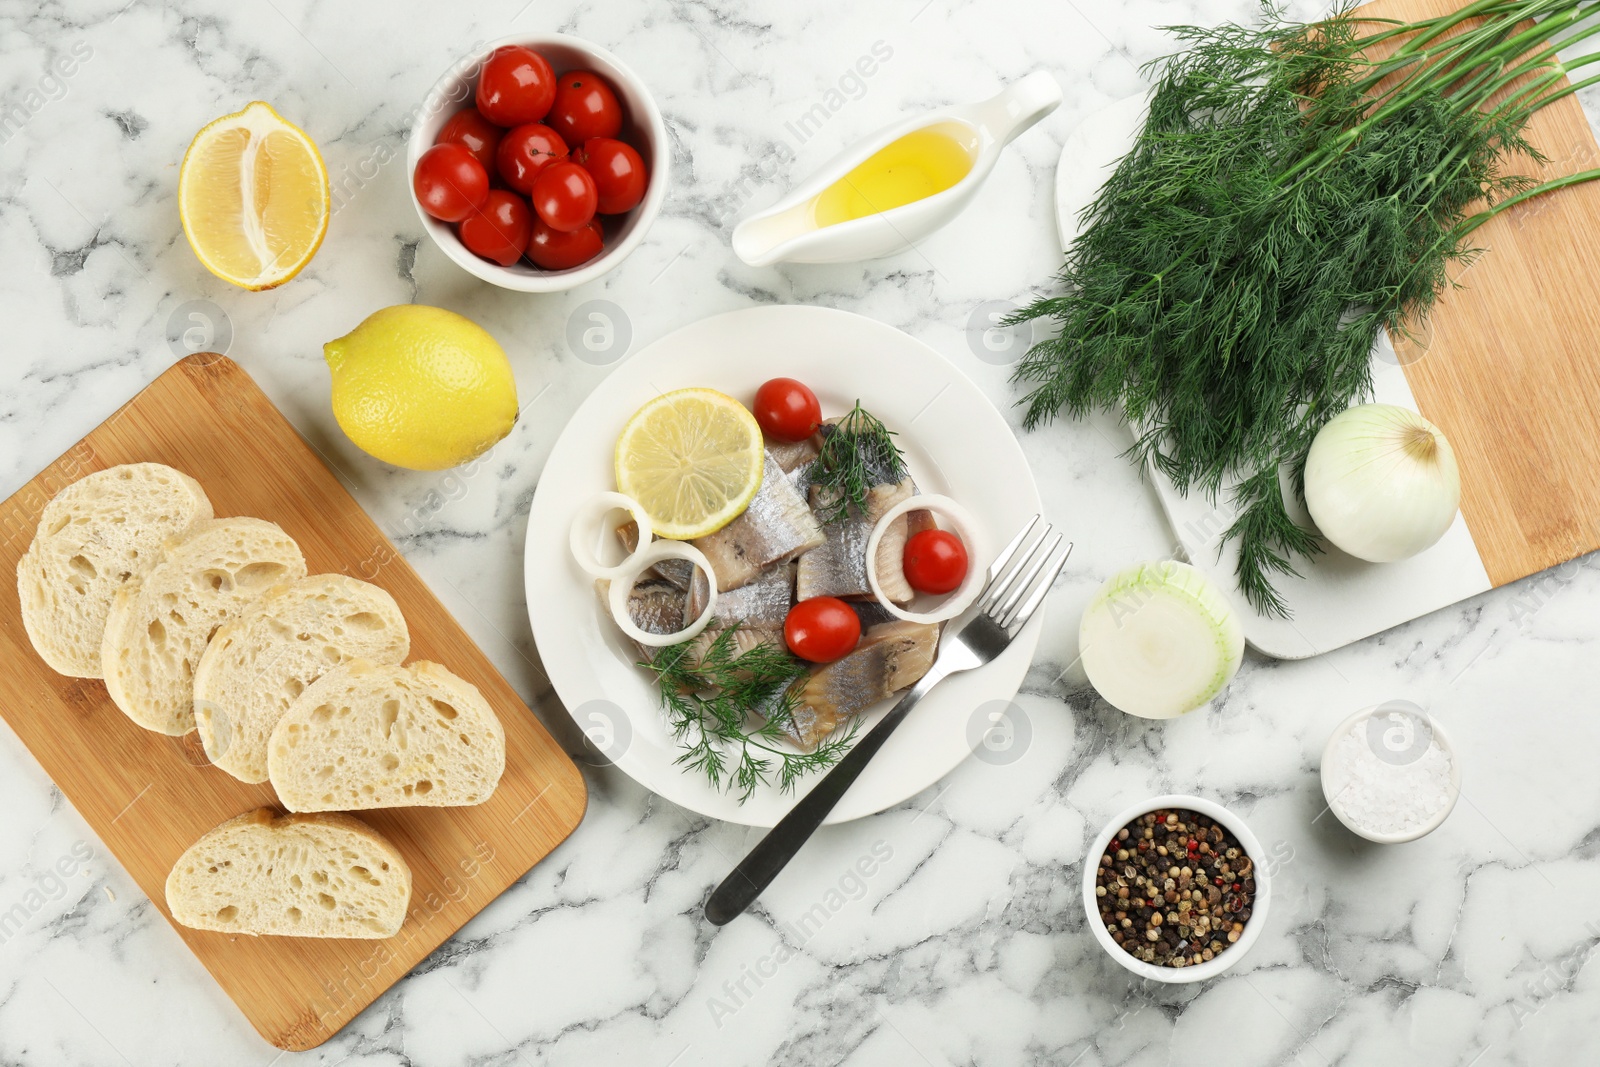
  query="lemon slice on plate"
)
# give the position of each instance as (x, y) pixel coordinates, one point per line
(692, 459)
(253, 197)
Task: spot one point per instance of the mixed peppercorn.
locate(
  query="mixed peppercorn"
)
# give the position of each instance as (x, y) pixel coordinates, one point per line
(1174, 888)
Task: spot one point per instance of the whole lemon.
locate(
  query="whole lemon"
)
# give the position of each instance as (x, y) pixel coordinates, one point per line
(421, 387)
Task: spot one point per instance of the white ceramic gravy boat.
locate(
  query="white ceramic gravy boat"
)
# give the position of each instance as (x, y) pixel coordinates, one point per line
(788, 233)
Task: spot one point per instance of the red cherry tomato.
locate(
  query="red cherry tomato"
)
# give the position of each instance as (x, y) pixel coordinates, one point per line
(473, 132)
(564, 196)
(525, 151)
(786, 410)
(585, 107)
(498, 231)
(935, 561)
(618, 173)
(554, 250)
(449, 182)
(516, 86)
(821, 629)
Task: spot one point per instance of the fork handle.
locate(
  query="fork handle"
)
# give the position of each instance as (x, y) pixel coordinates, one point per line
(756, 871)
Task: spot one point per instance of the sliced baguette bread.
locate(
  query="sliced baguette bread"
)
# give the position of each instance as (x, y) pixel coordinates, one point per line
(96, 534)
(258, 663)
(296, 875)
(372, 736)
(160, 622)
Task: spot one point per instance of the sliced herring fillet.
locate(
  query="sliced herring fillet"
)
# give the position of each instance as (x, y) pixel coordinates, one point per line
(891, 657)
(761, 604)
(839, 566)
(680, 572)
(775, 528)
(744, 639)
(796, 456)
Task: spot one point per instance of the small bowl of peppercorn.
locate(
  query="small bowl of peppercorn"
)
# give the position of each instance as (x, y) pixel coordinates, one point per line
(1173, 891)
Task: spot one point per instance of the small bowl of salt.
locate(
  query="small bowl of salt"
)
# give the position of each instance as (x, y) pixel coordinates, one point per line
(1390, 774)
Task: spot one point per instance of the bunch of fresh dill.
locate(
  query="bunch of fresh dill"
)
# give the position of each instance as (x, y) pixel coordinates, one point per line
(733, 711)
(1295, 189)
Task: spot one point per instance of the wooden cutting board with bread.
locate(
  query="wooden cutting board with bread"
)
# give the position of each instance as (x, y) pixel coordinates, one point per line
(260, 708)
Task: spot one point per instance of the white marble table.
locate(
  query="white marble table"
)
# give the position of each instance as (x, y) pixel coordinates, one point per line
(968, 943)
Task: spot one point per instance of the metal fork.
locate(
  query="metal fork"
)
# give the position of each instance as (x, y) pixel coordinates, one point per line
(1017, 584)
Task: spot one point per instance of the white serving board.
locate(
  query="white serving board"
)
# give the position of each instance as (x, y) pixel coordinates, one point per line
(1337, 599)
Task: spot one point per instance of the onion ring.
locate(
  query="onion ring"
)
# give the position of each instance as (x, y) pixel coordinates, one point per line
(634, 565)
(965, 528)
(591, 511)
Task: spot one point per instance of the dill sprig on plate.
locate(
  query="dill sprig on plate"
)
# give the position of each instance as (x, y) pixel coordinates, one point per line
(1294, 190)
(731, 711)
(858, 453)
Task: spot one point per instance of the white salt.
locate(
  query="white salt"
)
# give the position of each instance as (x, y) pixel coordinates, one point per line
(1388, 774)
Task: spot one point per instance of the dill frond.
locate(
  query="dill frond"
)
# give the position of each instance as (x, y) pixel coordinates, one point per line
(729, 711)
(857, 454)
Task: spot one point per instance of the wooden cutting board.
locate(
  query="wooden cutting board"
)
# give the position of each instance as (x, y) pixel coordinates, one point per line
(1509, 366)
(149, 797)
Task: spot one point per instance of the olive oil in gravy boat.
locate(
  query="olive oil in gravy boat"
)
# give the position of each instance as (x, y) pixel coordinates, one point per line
(788, 232)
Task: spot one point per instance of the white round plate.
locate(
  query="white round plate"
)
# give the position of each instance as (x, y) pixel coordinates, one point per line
(955, 443)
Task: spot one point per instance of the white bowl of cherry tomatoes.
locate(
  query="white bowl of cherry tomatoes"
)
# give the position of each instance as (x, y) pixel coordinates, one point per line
(539, 163)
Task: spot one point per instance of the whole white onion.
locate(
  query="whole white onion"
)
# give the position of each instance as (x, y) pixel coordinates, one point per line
(1381, 482)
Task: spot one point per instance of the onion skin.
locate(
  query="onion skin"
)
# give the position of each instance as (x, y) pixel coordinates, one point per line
(1381, 483)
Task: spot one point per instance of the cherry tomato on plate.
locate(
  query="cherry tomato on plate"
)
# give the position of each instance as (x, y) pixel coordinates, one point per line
(585, 107)
(821, 629)
(935, 561)
(516, 86)
(564, 196)
(525, 151)
(449, 182)
(473, 132)
(498, 231)
(618, 173)
(786, 410)
(554, 250)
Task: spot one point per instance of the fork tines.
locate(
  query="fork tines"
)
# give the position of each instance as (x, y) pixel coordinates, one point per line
(1022, 574)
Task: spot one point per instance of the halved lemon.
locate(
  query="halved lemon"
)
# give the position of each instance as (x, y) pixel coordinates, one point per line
(253, 197)
(692, 459)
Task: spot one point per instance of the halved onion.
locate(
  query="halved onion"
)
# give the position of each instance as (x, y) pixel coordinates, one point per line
(582, 537)
(1160, 639)
(648, 556)
(965, 528)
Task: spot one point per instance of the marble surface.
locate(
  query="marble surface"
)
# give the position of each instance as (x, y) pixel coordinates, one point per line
(967, 943)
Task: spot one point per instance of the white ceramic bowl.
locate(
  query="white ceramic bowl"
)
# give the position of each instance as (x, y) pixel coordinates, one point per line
(1372, 835)
(1258, 907)
(642, 128)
